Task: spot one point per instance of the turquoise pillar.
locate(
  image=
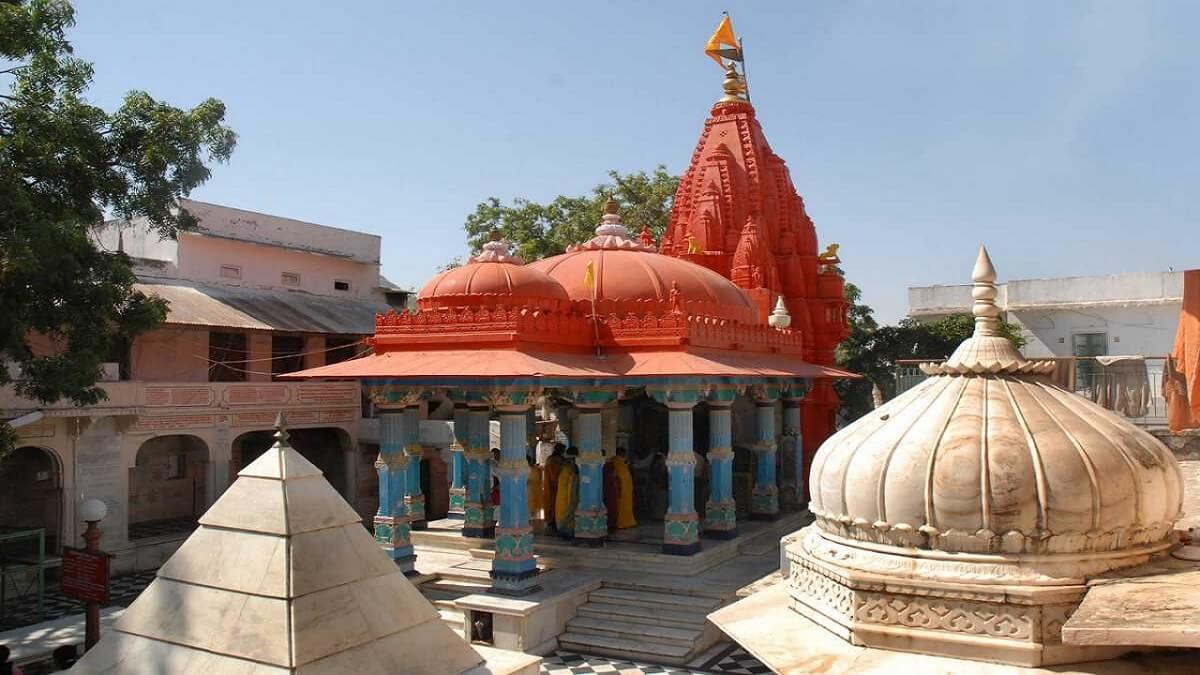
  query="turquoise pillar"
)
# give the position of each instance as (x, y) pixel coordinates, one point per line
(681, 527)
(458, 468)
(514, 570)
(392, 523)
(792, 447)
(764, 498)
(478, 520)
(720, 513)
(412, 447)
(591, 516)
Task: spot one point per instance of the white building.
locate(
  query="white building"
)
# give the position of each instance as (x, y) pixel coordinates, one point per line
(251, 296)
(1116, 314)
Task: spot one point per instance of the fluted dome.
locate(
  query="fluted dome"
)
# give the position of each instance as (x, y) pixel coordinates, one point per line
(987, 455)
(630, 277)
(493, 278)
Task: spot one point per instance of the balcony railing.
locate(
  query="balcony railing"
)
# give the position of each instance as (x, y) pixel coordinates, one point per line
(1131, 387)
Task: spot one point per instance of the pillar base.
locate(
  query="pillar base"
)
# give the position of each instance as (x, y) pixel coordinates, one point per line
(393, 536)
(723, 535)
(416, 511)
(479, 532)
(591, 524)
(458, 501)
(478, 522)
(681, 549)
(764, 505)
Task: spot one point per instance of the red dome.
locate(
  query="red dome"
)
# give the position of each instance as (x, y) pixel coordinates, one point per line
(638, 281)
(494, 278)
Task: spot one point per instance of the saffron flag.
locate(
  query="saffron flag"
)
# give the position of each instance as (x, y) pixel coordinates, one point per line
(723, 36)
(589, 275)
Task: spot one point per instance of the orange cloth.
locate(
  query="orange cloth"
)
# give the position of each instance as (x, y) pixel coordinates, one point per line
(1182, 387)
(722, 37)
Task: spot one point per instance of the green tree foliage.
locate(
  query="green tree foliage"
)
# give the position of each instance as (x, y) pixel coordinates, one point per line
(872, 350)
(540, 230)
(64, 165)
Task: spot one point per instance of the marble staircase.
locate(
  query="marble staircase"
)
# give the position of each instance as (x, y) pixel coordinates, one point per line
(640, 623)
(447, 588)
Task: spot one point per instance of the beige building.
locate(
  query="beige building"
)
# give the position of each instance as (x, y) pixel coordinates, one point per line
(251, 296)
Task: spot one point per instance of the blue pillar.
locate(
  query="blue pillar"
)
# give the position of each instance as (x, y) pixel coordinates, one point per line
(514, 570)
(392, 523)
(479, 521)
(412, 447)
(591, 516)
(792, 445)
(764, 499)
(458, 469)
(720, 513)
(681, 527)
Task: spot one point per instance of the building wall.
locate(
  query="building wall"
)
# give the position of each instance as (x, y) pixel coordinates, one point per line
(1148, 330)
(170, 354)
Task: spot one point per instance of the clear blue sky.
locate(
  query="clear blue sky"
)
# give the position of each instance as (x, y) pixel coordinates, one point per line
(1065, 135)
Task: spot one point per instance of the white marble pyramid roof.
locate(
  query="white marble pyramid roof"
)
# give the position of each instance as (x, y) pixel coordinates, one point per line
(280, 577)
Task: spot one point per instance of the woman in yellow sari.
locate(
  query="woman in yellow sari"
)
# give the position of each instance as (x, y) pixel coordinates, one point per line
(567, 495)
(533, 489)
(625, 501)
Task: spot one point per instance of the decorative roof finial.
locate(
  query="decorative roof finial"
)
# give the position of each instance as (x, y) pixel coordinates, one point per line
(780, 318)
(611, 234)
(734, 86)
(984, 292)
(496, 249)
(281, 433)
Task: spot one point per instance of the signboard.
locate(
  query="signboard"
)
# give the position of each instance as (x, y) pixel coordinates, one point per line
(85, 575)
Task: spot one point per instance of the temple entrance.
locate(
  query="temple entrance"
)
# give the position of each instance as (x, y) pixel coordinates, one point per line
(325, 447)
(167, 486)
(31, 482)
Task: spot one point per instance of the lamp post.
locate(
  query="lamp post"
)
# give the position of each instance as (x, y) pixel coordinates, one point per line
(93, 511)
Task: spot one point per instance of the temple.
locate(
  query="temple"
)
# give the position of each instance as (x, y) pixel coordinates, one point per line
(697, 358)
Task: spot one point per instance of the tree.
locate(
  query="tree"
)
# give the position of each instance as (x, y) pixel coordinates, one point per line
(539, 230)
(873, 351)
(64, 165)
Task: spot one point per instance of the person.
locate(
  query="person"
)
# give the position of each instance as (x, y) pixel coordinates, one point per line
(64, 657)
(612, 493)
(533, 489)
(8, 667)
(567, 495)
(553, 467)
(620, 467)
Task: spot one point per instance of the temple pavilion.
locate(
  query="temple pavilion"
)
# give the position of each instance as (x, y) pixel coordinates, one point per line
(734, 308)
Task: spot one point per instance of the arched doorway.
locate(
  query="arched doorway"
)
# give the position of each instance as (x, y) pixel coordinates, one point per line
(32, 494)
(324, 446)
(167, 486)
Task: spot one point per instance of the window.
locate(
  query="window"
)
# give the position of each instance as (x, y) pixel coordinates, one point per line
(290, 278)
(231, 272)
(287, 354)
(341, 285)
(227, 357)
(118, 353)
(340, 349)
(1086, 346)
(176, 467)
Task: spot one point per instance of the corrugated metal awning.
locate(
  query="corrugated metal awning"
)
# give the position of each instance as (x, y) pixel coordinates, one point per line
(292, 311)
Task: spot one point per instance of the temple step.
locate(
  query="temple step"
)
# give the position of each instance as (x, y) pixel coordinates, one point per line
(459, 586)
(627, 631)
(634, 650)
(650, 599)
(452, 618)
(653, 616)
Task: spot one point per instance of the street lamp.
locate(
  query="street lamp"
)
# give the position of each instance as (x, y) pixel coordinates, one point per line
(93, 511)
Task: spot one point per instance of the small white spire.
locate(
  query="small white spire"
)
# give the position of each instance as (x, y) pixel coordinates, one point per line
(984, 292)
(780, 318)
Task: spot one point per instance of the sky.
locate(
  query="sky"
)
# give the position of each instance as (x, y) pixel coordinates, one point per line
(1065, 136)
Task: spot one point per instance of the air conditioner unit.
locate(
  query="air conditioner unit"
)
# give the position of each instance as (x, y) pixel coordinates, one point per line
(110, 372)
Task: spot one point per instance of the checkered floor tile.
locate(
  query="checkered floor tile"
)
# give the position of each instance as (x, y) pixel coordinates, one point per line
(732, 661)
(23, 611)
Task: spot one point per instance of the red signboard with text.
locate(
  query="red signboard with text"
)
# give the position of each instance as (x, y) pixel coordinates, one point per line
(85, 575)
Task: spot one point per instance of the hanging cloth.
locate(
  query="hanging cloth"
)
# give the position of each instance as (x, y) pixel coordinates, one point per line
(1181, 378)
(1124, 385)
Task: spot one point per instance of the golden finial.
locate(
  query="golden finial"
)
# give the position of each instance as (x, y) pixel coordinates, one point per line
(734, 85)
(611, 206)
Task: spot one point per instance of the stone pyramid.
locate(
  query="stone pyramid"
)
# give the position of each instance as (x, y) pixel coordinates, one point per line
(280, 577)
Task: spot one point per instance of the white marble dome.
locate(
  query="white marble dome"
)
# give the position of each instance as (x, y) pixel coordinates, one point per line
(987, 455)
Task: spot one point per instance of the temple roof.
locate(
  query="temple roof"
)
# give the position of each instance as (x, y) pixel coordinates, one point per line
(280, 577)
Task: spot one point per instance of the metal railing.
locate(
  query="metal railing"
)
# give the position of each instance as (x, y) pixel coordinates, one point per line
(1131, 387)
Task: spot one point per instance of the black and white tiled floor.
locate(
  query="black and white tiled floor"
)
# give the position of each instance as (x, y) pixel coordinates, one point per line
(732, 661)
(23, 611)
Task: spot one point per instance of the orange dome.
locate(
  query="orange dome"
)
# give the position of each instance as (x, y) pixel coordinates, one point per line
(631, 277)
(493, 278)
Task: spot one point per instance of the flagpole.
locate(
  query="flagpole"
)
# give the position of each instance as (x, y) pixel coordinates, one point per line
(596, 320)
(745, 72)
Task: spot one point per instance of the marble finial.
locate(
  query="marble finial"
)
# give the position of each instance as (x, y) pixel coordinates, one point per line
(984, 293)
(281, 433)
(780, 318)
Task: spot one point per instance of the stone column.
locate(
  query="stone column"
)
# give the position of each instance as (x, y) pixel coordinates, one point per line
(681, 526)
(792, 442)
(479, 521)
(764, 499)
(392, 524)
(412, 446)
(720, 514)
(458, 489)
(350, 467)
(514, 570)
(591, 516)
